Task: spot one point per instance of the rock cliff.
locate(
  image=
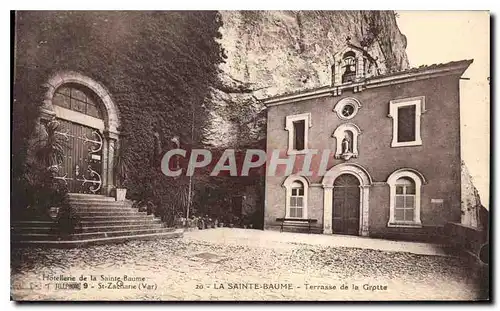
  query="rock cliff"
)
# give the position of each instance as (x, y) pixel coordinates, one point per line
(474, 214)
(273, 52)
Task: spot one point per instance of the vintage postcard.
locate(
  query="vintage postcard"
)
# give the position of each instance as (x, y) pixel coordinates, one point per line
(250, 155)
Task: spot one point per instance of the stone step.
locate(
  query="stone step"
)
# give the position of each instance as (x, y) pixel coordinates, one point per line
(111, 214)
(33, 223)
(101, 220)
(33, 229)
(89, 197)
(101, 203)
(85, 236)
(116, 239)
(87, 221)
(91, 228)
(119, 222)
(79, 209)
(125, 215)
(94, 228)
(15, 237)
(118, 217)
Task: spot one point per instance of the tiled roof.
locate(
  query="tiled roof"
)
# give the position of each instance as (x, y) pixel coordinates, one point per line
(413, 70)
(424, 68)
(300, 91)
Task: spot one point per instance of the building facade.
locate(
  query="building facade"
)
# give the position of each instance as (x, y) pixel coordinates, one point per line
(383, 151)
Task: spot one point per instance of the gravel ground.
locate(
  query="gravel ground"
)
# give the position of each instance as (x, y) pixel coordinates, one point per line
(192, 268)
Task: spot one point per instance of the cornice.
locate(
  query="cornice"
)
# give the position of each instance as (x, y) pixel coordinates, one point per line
(374, 82)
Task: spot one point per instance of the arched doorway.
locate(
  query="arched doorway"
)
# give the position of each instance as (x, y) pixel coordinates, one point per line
(346, 202)
(353, 183)
(87, 119)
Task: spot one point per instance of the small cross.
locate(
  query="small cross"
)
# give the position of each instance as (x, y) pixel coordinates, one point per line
(347, 39)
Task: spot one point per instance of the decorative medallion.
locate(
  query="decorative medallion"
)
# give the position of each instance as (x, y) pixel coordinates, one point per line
(347, 108)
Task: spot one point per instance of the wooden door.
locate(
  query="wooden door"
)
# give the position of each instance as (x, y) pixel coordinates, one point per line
(82, 165)
(346, 194)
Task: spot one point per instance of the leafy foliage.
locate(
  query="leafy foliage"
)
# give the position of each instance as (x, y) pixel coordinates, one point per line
(50, 148)
(41, 190)
(159, 68)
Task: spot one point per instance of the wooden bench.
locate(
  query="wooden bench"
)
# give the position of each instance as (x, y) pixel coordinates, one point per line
(296, 222)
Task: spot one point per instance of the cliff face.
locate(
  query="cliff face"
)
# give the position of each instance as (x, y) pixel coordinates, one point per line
(273, 52)
(472, 208)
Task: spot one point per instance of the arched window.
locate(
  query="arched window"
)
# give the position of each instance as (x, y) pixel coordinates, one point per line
(349, 67)
(77, 98)
(405, 192)
(296, 189)
(297, 200)
(404, 206)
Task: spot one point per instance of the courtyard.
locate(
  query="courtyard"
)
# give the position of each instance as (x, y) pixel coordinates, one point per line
(244, 264)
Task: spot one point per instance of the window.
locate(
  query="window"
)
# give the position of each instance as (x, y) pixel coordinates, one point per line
(347, 111)
(405, 192)
(347, 108)
(297, 200)
(404, 208)
(76, 98)
(298, 133)
(296, 189)
(406, 123)
(406, 115)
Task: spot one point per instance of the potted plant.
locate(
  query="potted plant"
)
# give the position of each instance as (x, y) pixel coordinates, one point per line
(237, 222)
(46, 193)
(201, 223)
(206, 223)
(121, 165)
(194, 223)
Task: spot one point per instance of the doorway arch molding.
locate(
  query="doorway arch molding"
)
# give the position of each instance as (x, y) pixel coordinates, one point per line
(112, 121)
(108, 107)
(365, 182)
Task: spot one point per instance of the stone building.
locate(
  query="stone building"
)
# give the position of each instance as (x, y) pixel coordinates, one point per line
(383, 149)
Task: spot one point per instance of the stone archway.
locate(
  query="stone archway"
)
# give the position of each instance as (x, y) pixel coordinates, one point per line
(365, 182)
(111, 121)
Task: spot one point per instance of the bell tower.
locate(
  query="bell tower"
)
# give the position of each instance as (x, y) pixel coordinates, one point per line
(352, 64)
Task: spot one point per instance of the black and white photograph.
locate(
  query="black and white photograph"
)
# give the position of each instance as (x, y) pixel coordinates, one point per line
(250, 155)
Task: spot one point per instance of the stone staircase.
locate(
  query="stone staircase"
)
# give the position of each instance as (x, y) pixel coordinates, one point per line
(101, 220)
